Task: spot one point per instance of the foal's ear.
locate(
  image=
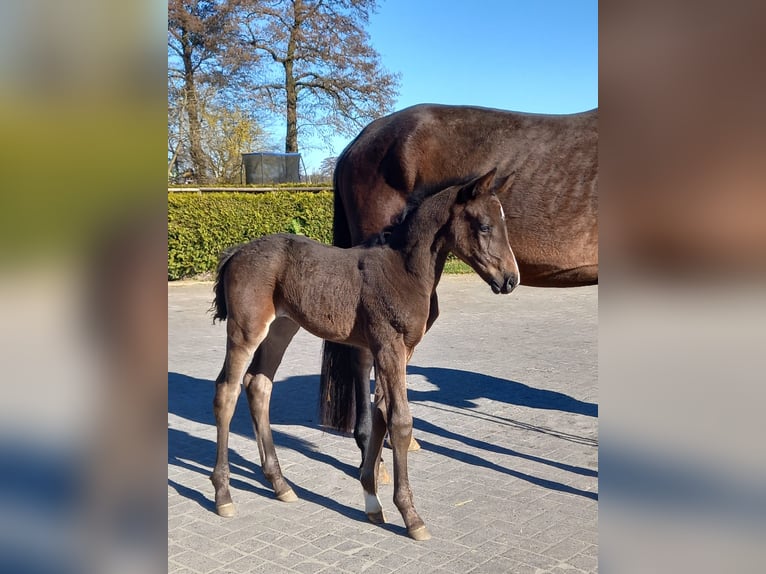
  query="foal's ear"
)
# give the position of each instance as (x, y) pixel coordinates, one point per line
(478, 186)
(504, 184)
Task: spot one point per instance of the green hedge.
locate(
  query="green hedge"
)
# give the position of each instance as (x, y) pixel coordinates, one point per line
(200, 226)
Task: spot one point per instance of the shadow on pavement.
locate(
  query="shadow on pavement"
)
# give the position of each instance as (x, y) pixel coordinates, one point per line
(294, 402)
(198, 455)
(459, 388)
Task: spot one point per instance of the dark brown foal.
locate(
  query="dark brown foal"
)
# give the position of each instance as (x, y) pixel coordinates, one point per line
(375, 297)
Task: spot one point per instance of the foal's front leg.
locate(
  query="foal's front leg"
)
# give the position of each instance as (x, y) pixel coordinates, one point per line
(390, 363)
(364, 414)
(363, 426)
(371, 463)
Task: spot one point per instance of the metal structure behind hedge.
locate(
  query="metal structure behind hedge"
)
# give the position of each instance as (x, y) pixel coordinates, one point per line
(270, 167)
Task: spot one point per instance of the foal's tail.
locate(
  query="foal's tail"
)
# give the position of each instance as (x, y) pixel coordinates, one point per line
(219, 303)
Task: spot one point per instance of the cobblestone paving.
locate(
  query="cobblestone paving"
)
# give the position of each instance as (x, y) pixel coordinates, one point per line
(503, 391)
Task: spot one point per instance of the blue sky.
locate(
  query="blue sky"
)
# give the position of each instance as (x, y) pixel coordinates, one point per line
(532, 56)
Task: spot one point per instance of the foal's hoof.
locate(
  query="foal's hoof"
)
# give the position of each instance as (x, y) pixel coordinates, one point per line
(225, 510)
(420, 533)
(287, 496)
(376, 517)
(383, 476)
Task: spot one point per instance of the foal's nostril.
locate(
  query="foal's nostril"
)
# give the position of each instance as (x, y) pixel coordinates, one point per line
(510, 284)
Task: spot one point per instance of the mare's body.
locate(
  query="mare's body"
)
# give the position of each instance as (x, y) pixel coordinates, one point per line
(551, 210)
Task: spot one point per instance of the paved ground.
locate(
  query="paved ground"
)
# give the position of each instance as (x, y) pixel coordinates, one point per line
(503, 391)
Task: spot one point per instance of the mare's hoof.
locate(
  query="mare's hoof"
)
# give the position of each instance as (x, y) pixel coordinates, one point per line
(414, 445)
(225, 510)
(376, 517)
(383, 476)
(287, 496)
(421, 533)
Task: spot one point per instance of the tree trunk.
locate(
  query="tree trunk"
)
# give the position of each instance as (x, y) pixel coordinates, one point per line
(199, 161)
(291, 138)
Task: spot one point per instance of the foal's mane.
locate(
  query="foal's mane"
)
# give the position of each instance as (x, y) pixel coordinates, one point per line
(401, 222)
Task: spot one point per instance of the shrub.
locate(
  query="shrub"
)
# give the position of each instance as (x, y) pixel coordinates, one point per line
(201, 226)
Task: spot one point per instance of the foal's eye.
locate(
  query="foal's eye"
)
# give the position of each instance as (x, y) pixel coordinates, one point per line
(484, 228)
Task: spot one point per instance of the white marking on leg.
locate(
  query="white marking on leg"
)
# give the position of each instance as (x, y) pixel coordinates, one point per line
(372, 503)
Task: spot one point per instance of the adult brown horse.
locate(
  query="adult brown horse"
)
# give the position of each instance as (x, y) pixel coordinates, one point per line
(375, 297)
(551, 208)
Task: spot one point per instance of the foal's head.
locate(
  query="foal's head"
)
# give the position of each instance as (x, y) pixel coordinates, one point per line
(479, 235)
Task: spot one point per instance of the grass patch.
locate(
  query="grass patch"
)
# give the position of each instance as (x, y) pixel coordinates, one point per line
(456, 267)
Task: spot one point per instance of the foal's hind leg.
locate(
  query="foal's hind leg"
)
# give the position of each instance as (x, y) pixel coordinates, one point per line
(258, 384)
(239, 349)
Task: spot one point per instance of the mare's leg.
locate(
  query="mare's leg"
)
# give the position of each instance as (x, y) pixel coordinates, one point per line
(391, 362)
(240, 345)
(258, 384)
(433, 311)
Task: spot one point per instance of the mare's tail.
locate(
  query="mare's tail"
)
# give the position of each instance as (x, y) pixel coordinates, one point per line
(337, 405)
(219, 303)
(337, 380)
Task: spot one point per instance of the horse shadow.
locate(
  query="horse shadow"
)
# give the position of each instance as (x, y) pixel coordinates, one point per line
(245, 475)
(294, 402)
(458, 388)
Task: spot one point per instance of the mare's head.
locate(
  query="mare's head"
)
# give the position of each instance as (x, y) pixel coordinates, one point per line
(478, 233)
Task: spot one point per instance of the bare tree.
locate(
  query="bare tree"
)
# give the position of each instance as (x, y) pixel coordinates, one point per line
(327, 168)
(176, 127)
(324, 75)
(198, 33)
(227, 133)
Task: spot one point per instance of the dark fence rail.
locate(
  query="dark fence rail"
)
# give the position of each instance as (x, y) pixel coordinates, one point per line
(250, 189)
